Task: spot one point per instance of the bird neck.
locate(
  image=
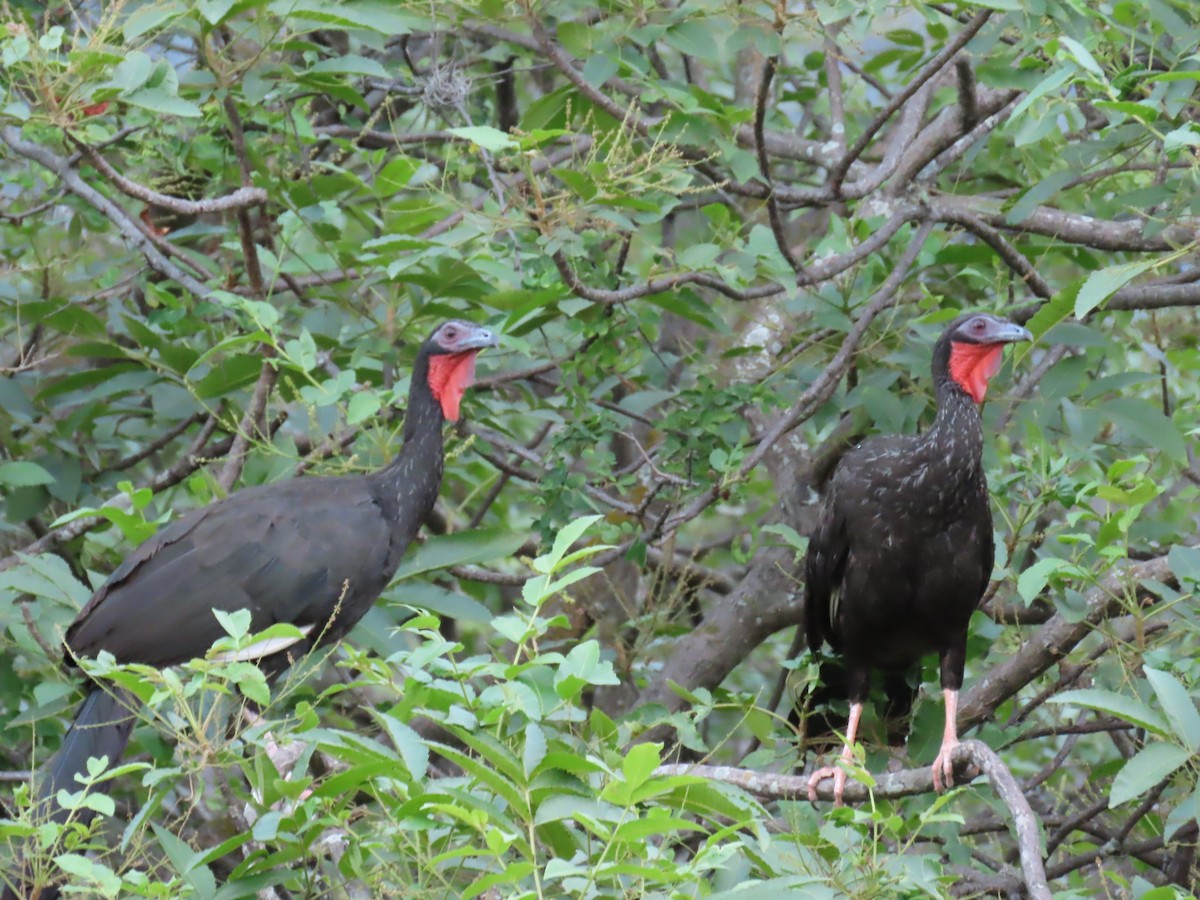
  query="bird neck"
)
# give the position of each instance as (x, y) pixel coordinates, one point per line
(410, 482)
(957, 431)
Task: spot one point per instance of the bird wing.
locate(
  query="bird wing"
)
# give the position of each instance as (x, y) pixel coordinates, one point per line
(288, 552)
(824, 566)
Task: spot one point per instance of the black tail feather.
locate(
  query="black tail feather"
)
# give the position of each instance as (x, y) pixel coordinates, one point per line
(101, 728)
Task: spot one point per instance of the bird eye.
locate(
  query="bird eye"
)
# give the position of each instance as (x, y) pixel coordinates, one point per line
(451, 332)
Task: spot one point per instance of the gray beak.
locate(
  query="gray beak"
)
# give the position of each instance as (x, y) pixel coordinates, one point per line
(478, 339)
(1008, 333)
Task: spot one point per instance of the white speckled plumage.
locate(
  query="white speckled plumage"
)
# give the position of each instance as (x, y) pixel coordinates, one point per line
(903, 551)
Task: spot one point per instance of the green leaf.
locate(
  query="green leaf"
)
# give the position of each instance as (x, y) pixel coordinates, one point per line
(1034, 579)
(1184, 136)
(640, 762)
(160, 101)
(512, 874)
(89, 871)
(1177, 704)
(437, 599)
(1051, 82)
(411, 746)
(351, 64)
(460, 549)
(571, 532)
(380, 17)
(214, 10)
(693, 37)
(584, 662)
(1184, 563)
(1143, 112)
(24, 474)
(1102, 284)
(149, 16)
(640, 829)
(790, 535)
(554, 809)
(1040, 193)
(1146, 425)
(1082, 55)
(182, 857)
(485, 137)
(535, 748)
(363, 406)
(1151, 765)
(134, 71)
(1185, 812)
(598, 69)
(1114, 704)
(236, 624)
(266, 827)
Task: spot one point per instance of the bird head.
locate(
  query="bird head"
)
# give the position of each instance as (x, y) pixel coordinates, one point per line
(970, 349)
(451, 351)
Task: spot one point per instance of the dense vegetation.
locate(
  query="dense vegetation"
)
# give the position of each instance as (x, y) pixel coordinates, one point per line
(719, 239)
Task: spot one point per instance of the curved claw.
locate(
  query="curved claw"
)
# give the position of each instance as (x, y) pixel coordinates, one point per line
(839, 783)
(943, 767)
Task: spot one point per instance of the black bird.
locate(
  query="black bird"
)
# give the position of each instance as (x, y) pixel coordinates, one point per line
(311, 552)
(903, 550)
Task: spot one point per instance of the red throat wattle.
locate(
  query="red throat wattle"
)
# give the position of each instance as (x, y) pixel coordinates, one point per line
(450, 374)
(971, 365)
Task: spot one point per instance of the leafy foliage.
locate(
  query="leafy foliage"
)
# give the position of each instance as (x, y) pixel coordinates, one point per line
(718, 239)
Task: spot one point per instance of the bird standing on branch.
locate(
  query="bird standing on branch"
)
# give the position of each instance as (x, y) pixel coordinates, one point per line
(310, 552)
(903, 550)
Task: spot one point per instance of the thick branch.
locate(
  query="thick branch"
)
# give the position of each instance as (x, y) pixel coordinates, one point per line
(1053, 641)
(1070, 228)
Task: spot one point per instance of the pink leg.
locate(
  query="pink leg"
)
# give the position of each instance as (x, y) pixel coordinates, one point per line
(838, 773)
(943, 765)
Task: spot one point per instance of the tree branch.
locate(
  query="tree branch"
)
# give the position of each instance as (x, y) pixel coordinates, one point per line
(970, 757)
(935, 65)
(125, 224)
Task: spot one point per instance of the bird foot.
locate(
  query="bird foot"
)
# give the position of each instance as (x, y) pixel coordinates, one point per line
(838, 775)
(943, 766)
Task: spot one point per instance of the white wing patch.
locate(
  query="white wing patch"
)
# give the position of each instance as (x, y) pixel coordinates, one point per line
(259, 649)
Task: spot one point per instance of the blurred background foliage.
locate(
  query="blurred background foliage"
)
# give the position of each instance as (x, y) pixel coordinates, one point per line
(719, 240)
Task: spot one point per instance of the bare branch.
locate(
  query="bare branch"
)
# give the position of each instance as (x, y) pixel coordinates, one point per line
(1006, 251)
(125, 223)
(935, 65)
(250, 424)
(764, 167)
(1070, 228)
(242, 197)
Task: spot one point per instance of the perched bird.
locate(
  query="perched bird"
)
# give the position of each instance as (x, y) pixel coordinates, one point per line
(903, 550)
(311, 552)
